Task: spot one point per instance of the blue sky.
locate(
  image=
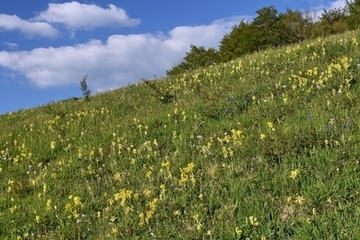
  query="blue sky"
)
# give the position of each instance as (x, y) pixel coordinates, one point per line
(46, 47)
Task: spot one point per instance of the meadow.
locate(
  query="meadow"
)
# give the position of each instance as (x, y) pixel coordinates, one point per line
(263, 147)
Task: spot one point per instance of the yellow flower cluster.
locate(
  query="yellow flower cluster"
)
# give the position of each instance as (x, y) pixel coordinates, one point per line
(187, 174)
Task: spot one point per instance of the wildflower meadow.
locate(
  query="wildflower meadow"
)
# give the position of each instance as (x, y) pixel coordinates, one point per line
(263, 147)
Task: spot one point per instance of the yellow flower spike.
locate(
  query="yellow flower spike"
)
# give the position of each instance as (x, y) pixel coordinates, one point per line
(114, 230)
(117, 176)
(76, 214)
(314, 211)
(262, 136)
(77, 201)
(48, 204)
(112, 219)
(165, 164)
(68, 207)
(253, 221)
(270, 125)
(299, 199)
(238, 231)
(147, 192)
(152, 204)
(294, 173)
(52, 144)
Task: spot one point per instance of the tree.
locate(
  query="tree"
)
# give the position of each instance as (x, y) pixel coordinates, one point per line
(240, 41)
(332, 21)
(84, 87)
(353, 11)
(294, 26)
(265, 23)
(197, 57)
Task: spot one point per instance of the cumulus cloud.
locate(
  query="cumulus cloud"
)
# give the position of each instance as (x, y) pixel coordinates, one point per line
(74, 15)
(121, 60)
(71, 15)
(29, 28)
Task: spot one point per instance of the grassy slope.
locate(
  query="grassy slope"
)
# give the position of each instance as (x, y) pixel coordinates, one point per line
(263, 147)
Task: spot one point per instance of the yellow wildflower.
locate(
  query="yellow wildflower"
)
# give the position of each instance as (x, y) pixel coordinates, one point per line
(253, 221)
(48, 203)
(270, 125)
(189, 167)
(53, 144)
(299, 199)
(147, 192)
(117, 176)
(294, 173)
(77, 201)
(238, 231)
(114, 230)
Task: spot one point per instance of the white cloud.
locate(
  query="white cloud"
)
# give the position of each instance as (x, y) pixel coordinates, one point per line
(11, 46)
(121, 60)
(29, 28)
(74, 15)
(204, 35)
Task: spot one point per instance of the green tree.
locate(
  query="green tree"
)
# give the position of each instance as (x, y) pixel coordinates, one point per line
(332, 21)
(293, 26)
(240, 41)
(353, 10)
(266, 27)
(197, 57)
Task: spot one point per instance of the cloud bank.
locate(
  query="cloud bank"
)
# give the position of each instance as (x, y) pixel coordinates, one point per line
(70, 15)
(121, 60)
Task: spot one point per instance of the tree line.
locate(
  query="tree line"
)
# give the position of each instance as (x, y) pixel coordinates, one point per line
(270, 28)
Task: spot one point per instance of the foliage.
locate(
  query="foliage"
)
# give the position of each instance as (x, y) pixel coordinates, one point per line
(262, 147)
(197, 57)
(332, 21)
(353, 9)
(164, 97)
(294, 26)
(248, 37)
(238, 42)
(265, 23)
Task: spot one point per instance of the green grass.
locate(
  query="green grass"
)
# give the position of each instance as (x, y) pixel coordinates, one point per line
(264, 147)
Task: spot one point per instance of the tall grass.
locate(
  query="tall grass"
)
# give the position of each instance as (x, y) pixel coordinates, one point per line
(264, 147)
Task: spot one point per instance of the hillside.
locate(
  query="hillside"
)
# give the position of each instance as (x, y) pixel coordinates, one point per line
(264, 147)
